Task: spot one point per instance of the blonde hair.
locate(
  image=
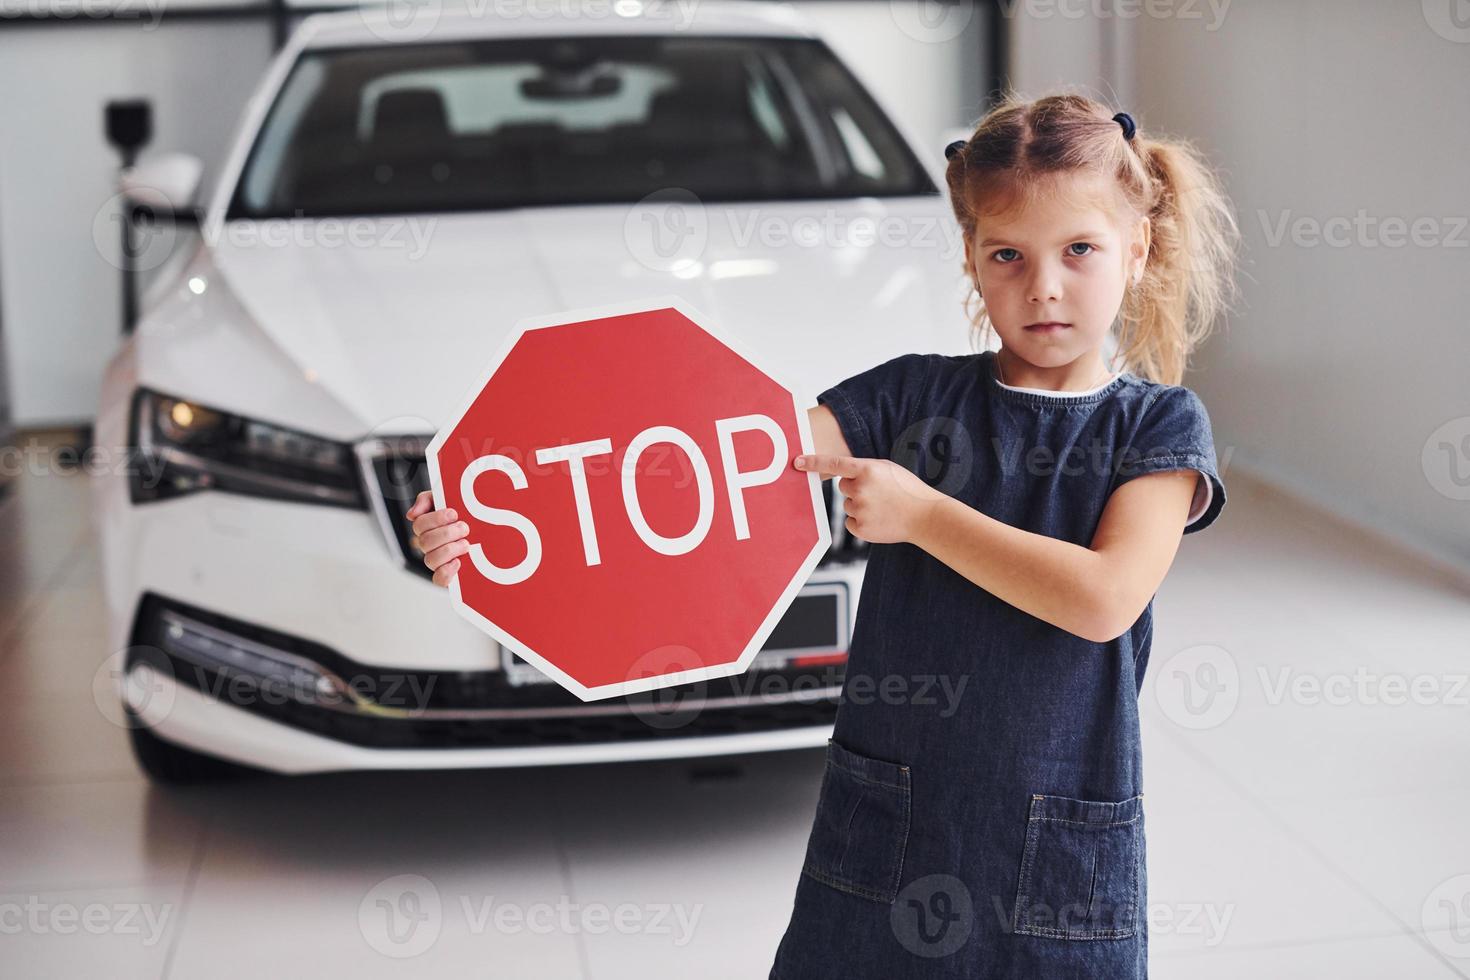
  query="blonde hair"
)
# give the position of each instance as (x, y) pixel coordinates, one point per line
(1188, 276)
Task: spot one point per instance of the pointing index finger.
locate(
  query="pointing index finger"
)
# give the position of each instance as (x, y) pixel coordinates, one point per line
(827, 465)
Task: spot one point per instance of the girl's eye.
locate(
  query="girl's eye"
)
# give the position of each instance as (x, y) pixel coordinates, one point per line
(1083, 244)
(1001, 252)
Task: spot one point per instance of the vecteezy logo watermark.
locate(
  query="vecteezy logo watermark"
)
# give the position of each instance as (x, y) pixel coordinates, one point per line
(93, 9)
(148, 243)
(933, 915)
(932, 21)
(1364, 230)
(1364, 687)
(1093, 457)
(679, 705)
(1446, 458)
(667, 231)
(1450, 19)
(1121, 9)
(402, 20)
(413, 20)
(1204, 921)
(670, 230)
(38, 918)
(152, 240)
(1198, 687)
(37, 458)
(673, 706)
(403, 917)
(1445, 916)
(134, 688)
(939, 451)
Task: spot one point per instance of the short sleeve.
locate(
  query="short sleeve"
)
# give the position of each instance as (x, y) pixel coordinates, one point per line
(1175, 434)
(874, 406)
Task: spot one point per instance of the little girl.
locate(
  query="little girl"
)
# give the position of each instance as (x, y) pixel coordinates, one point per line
(1015, 551)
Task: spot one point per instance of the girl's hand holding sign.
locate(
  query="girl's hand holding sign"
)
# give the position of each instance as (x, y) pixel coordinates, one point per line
(440, 535)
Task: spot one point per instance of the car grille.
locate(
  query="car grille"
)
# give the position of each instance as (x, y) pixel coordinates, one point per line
(396, 467)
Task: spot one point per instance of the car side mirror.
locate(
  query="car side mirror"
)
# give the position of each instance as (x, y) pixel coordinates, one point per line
(164, 184)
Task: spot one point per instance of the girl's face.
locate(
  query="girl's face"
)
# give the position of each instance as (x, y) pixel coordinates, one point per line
(1059, 259)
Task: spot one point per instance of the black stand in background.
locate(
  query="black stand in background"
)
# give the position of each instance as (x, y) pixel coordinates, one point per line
(129, 124)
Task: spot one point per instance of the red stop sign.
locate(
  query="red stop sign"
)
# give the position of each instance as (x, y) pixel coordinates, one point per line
(635, 521)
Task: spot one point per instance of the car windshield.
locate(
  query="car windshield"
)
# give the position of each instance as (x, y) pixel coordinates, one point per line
(528, 122)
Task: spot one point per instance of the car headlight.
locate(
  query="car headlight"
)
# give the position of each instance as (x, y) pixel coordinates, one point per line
(183, 447)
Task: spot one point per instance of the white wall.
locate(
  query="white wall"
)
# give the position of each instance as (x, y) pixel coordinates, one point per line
(61, 289)
(1056, 44)
(1343, 377)
(1347, 359)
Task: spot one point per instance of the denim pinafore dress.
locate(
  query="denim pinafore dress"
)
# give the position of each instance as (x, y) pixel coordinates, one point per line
(981, 812)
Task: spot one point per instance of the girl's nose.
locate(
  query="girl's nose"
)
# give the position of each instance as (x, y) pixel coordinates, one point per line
(1045, 287)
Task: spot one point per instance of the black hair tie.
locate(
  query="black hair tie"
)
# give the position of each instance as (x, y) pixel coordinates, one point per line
(1126, 121)
(953, 148)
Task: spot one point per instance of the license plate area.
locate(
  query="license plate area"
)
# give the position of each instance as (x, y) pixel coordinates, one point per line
(816, 624)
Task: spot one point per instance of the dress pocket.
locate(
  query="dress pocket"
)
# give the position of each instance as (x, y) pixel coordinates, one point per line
(1079, 869)
(861, 829)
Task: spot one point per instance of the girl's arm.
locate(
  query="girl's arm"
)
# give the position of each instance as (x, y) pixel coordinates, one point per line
(827, 434)
(1096, 592)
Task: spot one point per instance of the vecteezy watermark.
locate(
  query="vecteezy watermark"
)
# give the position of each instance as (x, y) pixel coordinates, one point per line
(1364, 230)
(405, 693)
(1445, 916)
(1210, 12)
(938, 450)
(413, 20)
(678, 705)
(667, 231)
(1198, 687)
(88, 9)
(153, 240)
(39, 918)
(932, 21)
(674, 705)
(941, 691)
(1450, 19)
(1445, 458)
(134, 687)
(1097, 458)
(1201, 686)
(1362, 686)
(1206, 922)
(591, 459)
(670, 230)
(933, 916)
(403, 916)
(36, 458)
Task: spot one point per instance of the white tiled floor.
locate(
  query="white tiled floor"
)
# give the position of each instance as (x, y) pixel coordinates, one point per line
(1288, 837)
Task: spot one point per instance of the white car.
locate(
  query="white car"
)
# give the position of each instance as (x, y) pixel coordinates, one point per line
(386, 192)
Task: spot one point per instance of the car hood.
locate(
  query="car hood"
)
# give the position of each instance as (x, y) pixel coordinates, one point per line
(358, 326)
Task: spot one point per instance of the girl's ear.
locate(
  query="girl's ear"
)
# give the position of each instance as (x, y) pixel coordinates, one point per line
(970, 263)
(1141, 241)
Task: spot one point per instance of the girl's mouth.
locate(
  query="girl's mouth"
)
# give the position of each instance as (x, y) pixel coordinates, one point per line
(1047, 327)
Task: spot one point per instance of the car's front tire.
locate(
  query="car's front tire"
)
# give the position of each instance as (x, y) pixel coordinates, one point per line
(165, 762)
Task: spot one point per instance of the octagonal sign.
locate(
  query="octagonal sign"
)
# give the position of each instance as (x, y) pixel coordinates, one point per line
(635, 521)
